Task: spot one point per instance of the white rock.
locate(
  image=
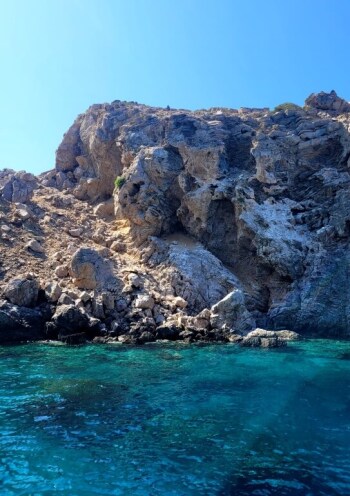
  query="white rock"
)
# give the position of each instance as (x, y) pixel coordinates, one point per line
(144, 301)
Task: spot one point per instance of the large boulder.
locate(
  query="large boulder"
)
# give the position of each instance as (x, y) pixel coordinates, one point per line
(231, 312)
(22, 291)
(197, 276)
(90, 270)
(70, 320)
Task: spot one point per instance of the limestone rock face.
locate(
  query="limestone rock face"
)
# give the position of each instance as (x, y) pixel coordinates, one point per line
(264, 193)
(22, 291)
(194, 225)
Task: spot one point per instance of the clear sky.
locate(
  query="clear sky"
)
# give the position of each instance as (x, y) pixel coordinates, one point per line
(59, 56)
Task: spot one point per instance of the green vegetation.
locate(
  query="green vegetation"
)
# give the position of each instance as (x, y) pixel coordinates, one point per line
(119, 181)
(287, 106)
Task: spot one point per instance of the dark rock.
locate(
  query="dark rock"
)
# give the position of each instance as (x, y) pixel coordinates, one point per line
(257, 342)
(19, 324)
(170, 332)
(73, 339)
(146, 337)
(68, 320)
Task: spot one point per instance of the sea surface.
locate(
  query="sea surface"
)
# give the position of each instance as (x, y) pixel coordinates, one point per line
(175, 419)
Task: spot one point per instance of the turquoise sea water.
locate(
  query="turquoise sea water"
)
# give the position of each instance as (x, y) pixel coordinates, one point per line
(175, 420)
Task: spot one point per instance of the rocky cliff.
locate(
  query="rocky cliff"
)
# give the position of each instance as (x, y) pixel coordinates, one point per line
(167, 223)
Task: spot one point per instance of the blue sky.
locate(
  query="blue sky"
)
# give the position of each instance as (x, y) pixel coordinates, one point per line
(60, 56)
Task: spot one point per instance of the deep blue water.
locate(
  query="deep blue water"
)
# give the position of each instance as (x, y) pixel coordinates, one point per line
(175, 420)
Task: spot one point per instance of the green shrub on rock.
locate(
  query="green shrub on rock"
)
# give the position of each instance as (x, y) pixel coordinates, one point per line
(287, 106)
(119, 181)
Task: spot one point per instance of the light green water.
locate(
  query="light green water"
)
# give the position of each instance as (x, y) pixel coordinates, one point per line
(175, 420)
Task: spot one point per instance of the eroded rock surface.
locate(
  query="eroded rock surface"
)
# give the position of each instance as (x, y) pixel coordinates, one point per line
(240, 214)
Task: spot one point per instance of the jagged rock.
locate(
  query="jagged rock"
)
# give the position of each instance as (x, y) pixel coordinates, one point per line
(107, 301)
(23, 212)
(118, 247)
(121, 305)
(97, 308)
(135, 280)
(146, 337)
(5, 228)
(77, 232)
(234, 338)
(85, 296)
(17, 187)
(180, 302)
(206, 203)
(126, 339)
(187, 335)
(327, 101)
(22, 291)
(198, 277)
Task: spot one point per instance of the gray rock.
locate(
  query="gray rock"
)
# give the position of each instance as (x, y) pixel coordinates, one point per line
(258, 342)
(53, 291)
(35, 246)
(283, 335)
(17, 187)
(61, 271)
(22, 292)
(231, 312)
(65, 299)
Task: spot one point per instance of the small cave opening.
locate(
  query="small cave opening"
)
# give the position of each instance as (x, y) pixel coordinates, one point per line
(176, 232)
